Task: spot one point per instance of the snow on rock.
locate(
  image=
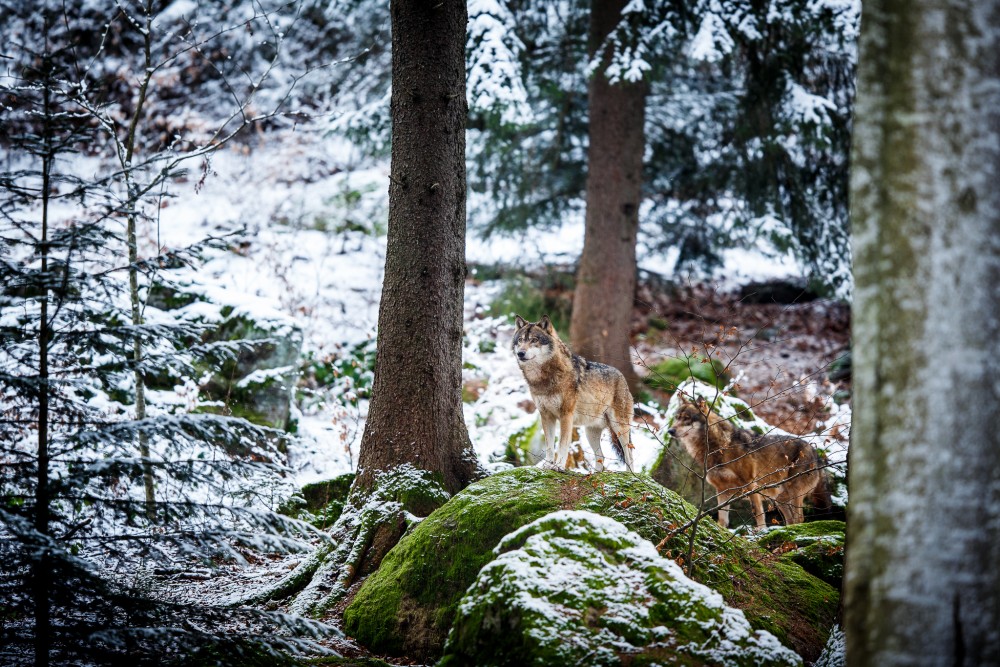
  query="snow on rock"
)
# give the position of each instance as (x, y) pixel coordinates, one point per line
(574, 587)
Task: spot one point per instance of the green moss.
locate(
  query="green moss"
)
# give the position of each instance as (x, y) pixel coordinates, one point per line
(817, 547)
(472, 392)
(518, 450)
(321, 503)
(658, 323)
(625, 602)
(169, 297)
(409, 604)
(668, 374)
(531, 297)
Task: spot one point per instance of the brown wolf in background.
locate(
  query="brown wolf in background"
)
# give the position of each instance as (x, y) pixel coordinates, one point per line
(783, 468)
(569, 389)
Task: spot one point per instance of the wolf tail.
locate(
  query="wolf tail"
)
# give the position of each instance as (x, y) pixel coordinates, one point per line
(616, 443)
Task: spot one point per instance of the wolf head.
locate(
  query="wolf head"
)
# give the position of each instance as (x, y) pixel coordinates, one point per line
(534, 342)
(691, 420)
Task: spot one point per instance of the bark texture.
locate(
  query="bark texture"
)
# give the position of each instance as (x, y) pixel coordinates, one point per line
(922, 584)
(416, 408)
(605, 285)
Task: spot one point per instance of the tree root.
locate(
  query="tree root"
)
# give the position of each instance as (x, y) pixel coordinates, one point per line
(372, 522)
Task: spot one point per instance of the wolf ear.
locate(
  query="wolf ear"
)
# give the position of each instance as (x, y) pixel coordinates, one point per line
(519, 321)
(545, 324)
(702, 405)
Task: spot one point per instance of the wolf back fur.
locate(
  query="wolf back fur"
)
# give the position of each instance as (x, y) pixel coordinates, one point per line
(783, 468)
(569, 389)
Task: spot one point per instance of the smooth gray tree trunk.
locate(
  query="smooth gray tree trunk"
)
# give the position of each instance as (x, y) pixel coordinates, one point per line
(923, 560)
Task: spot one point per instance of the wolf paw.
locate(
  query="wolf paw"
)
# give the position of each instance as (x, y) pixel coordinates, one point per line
(545, 464)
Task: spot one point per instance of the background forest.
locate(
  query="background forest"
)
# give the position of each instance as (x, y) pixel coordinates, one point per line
(203, 254)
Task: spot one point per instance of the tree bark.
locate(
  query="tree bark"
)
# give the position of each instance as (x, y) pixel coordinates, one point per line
(922, 585)
(416, 409)
(42, 574)
(605, 282)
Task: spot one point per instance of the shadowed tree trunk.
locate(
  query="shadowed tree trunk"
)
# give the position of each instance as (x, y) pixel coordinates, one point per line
(922, 584)
(416, 407)
(605, 284)
(415, 416)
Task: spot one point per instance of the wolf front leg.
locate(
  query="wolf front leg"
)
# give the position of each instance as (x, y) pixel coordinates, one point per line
(759, 515)
(565, 437)
(549, 431)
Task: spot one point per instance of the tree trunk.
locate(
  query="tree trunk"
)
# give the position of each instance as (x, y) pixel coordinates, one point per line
(416, 408)
(605, 283)
(132, 204)
(42, 574)
(922, 584)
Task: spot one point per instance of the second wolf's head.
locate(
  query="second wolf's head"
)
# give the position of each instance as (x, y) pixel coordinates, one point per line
(534, 342)
(691, 421)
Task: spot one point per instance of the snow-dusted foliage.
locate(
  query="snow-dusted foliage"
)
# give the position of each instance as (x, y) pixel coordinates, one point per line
(834, 655)
(748, 119)
(750, 134)
(495, 83)
(95, 478)
(576, 587)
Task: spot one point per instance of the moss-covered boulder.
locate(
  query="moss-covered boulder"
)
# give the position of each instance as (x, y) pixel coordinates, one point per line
(409, 604)
(574, 587)
(248, 362)
(670, 373)
(818, 547)
(258, 381)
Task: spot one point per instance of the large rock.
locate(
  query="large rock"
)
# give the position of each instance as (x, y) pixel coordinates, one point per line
(408, 606)
(258, 382)
(249, 360)
(576, 588)
(817, 546)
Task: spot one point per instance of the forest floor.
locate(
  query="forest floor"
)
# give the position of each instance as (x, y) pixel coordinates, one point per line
(781, 344)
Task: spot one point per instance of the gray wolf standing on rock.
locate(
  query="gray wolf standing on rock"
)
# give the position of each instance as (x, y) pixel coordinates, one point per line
(569, 389)
(738, 461)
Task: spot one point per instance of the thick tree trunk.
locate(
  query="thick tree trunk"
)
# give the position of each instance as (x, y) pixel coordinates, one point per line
(922, 583)
(605, 285)
(416, 409)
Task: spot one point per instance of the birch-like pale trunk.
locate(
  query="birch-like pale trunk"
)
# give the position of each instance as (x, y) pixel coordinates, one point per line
(923, 559)
(132, 190)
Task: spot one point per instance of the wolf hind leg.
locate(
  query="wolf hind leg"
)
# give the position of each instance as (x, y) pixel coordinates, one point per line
(722, 499)
(790, 508)
(621, 438)
(594, 438)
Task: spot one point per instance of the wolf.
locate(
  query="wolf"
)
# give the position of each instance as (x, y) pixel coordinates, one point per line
(570, 390)
(783, 468)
